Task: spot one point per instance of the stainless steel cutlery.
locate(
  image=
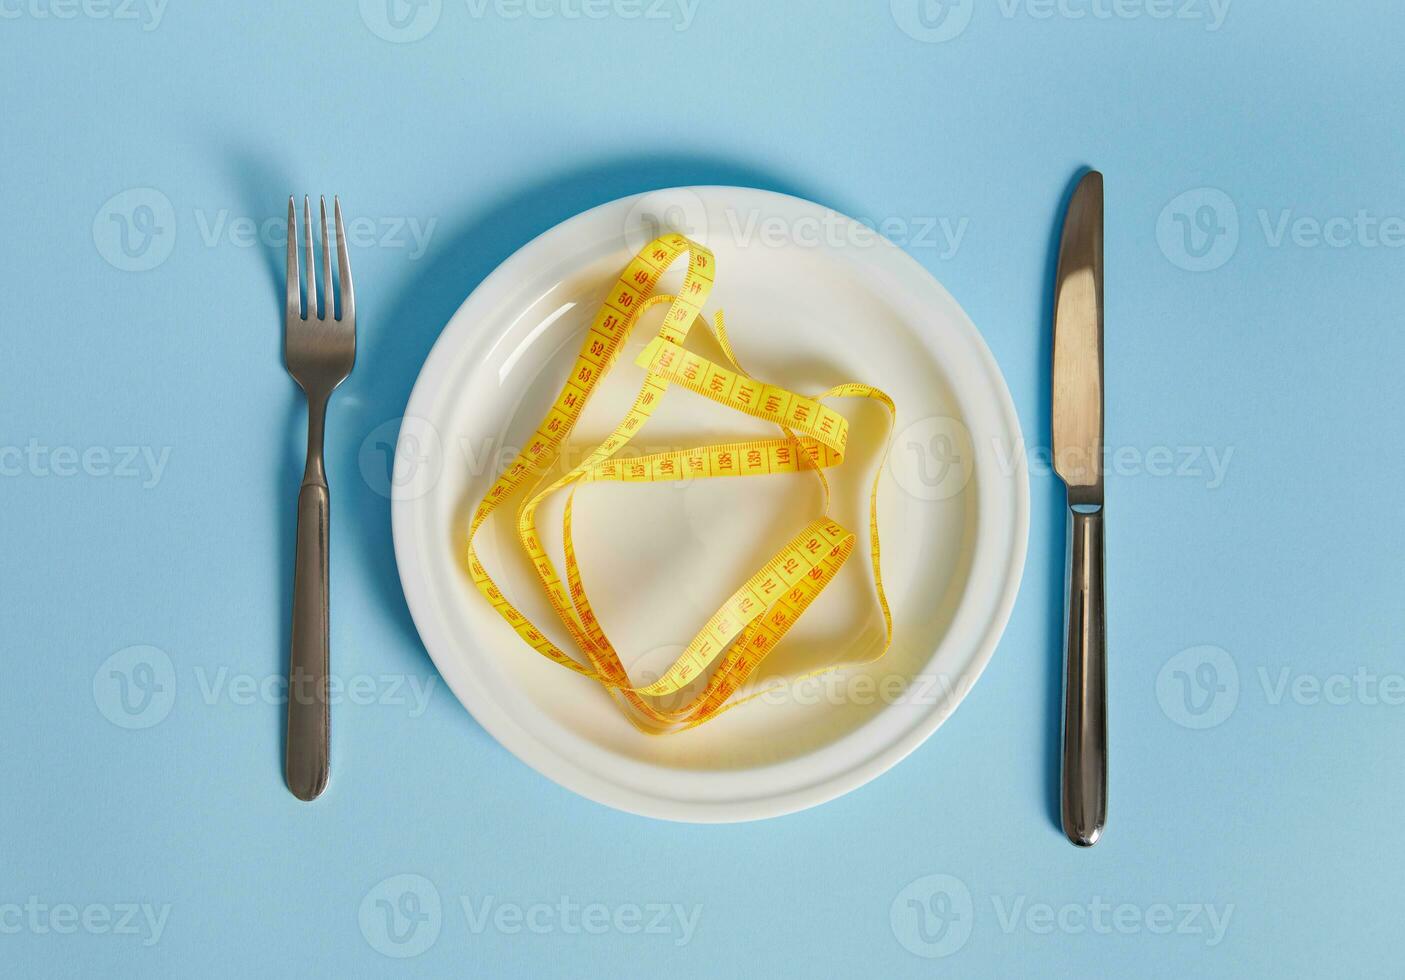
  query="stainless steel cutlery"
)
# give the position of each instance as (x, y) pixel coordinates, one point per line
(320, 351)
(319, 346)
(1078, 460)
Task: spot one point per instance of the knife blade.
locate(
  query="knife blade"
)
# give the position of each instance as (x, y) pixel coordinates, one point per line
(1077, 448)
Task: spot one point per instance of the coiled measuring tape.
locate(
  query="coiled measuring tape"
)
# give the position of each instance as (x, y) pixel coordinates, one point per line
(748, 626)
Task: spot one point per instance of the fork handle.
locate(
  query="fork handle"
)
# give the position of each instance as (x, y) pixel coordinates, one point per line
(309, 723)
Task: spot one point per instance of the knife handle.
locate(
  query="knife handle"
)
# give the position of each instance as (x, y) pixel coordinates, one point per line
(1083, 802)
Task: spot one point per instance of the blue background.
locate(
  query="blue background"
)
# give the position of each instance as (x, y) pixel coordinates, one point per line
(1286, 356)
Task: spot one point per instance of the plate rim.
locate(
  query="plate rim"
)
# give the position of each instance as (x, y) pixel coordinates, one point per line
(524, 743)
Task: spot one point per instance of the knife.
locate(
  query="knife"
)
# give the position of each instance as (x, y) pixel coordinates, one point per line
(1078, 461)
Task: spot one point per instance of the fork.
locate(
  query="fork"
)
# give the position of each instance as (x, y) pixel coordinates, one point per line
(320, 352)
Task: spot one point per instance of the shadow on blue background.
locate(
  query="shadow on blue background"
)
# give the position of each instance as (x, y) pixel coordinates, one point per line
(261, 187)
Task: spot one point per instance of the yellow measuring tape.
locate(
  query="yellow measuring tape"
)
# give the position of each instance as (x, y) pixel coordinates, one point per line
(738, 637)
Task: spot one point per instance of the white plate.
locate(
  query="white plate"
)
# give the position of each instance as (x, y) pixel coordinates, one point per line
(812, 298)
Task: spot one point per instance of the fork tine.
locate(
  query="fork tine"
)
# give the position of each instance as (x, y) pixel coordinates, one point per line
(348, 294)
(294, 285)
(329, 309)
(311, 259)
